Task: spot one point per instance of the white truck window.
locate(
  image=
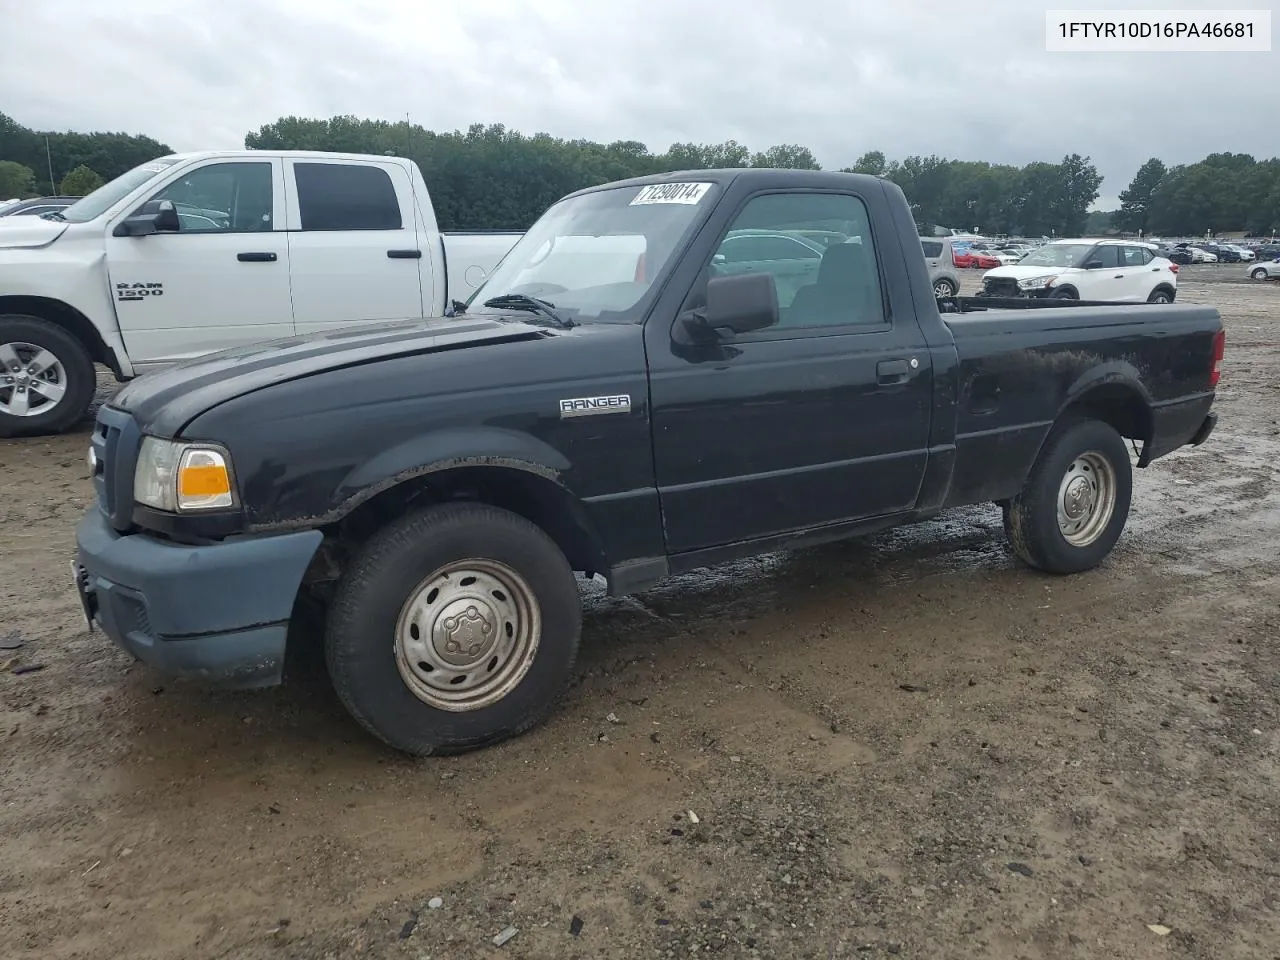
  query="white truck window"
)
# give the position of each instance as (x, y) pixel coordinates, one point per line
(346, 196)
(221, 198)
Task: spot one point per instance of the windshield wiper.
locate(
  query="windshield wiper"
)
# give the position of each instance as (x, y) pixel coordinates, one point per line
(520, 301)
(52, 215)
(456, 308)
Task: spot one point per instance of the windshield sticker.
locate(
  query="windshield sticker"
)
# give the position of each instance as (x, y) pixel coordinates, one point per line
(671, 193)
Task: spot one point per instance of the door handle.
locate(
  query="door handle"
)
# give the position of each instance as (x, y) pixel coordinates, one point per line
(891, 371)
(1118, 276)
(256, 257)
(404, 254)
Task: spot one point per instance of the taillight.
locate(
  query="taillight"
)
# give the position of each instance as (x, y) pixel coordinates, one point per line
(1219, 350)
(1173, 268)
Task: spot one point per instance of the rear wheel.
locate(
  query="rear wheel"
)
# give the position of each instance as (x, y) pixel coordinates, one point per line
(454, 628)
(1074, 504)
(46, 377)
(944, 288)
(1160, 295)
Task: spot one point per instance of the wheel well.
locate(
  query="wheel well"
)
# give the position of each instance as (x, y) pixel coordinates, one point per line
(1119, 405)
(1066, 288)
(539, 500)
(1163, 285)
(70, 319)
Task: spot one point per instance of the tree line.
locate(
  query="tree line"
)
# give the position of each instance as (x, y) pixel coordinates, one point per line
(490, 177)
(27, 157)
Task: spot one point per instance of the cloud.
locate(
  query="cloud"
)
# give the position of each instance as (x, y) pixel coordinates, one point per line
(971, 81)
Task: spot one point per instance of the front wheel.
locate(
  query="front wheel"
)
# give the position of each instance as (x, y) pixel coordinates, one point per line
(1073, 506)
(1259, 274)
(46, 377)
(454, 628)
(1063, 293)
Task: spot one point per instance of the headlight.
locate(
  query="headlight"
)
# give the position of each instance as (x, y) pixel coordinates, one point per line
(175, 476)
(1035, 283)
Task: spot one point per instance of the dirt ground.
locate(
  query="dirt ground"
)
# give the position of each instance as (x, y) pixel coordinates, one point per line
(909, 747)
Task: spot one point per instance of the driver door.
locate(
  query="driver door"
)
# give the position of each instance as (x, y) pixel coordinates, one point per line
(221, 281)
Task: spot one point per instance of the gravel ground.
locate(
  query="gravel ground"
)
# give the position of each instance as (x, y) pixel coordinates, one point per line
(906, 747)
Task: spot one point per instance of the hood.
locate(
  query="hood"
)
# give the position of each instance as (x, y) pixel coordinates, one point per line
(1023, 272)
(25, 233)
(165, 401)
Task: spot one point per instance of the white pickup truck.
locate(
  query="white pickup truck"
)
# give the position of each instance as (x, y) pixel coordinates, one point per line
(196, 252)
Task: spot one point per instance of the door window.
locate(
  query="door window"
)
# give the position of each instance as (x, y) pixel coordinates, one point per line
(346, 196)
(818, 286)
(932, 248)
(1136, 256)
(221, 198)
(1108, 256)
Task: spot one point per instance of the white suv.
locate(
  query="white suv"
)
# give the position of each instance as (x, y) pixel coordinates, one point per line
(1121, 270)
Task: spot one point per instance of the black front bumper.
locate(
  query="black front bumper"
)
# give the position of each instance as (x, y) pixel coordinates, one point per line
(218, 612)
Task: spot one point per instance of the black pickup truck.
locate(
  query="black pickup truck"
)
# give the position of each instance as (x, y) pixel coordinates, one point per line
(664, 373)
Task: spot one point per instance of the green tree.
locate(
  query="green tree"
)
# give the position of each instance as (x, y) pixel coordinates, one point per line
(1079, 181)
(16, 180)
(1135, 202)
(790, 156)
(871, 162)
(80, 182)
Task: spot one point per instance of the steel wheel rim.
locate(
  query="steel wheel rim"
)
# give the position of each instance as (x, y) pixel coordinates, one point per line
(32, 379)
(467, 635)
(1086, 499)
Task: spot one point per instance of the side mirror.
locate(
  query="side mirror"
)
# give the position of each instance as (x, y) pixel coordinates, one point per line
(1093, 265)
(160, 217)
(742, 302)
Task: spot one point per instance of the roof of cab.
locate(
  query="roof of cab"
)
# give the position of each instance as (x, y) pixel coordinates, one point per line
(759, 176)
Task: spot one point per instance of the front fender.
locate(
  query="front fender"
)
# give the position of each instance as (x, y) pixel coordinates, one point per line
(447, 449)
(72, 275)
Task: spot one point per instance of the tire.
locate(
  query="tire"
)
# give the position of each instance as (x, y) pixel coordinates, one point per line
(1031, 519)
(1259, 274)
(20, 337)
(1064, 293)
(1160, 295)
(944, 288)
(377, 661)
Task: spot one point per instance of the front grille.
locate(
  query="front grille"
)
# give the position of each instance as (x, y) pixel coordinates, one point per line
(115, 443)
(1000, 287)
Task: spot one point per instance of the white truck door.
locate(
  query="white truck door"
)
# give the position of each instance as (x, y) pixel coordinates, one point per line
(221, 281)
(354, 250)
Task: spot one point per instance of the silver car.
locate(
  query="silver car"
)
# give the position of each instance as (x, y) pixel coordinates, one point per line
(942, 266)
(1266, 270)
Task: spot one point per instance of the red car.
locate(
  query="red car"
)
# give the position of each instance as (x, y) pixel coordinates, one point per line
(983, 261)
(963, 259)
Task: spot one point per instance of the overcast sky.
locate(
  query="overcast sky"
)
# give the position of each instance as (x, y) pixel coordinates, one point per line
(840, 76)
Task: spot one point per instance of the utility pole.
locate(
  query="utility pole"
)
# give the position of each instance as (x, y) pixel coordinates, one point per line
(53, 186)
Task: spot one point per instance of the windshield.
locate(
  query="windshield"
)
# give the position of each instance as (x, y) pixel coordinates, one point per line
(1057, 255)
(597, 256)
(107, 195)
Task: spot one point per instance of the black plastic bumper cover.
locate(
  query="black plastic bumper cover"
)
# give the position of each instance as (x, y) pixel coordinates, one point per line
(1206, 428)
(218, 613)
